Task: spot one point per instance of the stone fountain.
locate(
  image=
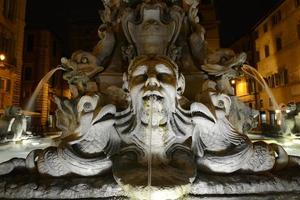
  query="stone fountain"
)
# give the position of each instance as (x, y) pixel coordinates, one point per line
(13, 125)
(153, 142)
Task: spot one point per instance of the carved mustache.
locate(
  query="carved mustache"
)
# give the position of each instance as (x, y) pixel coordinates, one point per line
(156, 95)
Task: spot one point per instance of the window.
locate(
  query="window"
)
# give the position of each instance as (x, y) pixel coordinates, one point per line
(10, 9)
(283, 76)
(267, 51)
(30, 43)
(28, 74)
(276, 18)
(263, 117)
(257, 57)
(8, 85)
(270, 81)
(1, 84)
(265, 27)
(272, 116)
(7, 46)
(251, 86)
(277, 79)
(278, 43)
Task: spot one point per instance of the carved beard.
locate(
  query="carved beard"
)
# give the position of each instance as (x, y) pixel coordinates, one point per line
(154, 111)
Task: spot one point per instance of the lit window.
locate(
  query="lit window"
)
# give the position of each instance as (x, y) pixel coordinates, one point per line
(263, 116)
(272, 117)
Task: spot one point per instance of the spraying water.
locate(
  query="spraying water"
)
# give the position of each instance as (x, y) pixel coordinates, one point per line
(252, 72)
(37, 90)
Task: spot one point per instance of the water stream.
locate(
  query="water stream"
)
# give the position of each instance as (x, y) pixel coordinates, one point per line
(252, 72)
(37, 90)
(150, 148)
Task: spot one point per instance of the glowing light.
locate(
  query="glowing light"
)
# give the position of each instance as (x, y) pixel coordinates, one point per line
(35, 143)
(2, 57)
(232, 81)
(263, 118)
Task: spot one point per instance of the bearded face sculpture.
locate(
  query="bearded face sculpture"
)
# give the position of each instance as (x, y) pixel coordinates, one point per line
(154, 85)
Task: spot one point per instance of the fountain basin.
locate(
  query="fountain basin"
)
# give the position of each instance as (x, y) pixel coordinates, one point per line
(207, 186)
(161, 193)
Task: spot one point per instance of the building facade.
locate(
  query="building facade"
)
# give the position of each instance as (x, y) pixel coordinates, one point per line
(277, 44)
(12, 23)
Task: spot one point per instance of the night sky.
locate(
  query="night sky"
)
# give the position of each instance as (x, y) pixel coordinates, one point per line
(236, 17)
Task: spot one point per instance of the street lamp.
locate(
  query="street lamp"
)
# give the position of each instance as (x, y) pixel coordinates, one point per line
(3, 62)
(2, 59)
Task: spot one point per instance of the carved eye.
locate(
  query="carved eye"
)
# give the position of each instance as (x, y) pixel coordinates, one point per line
(87, 107)
(140, 78)
(221, 104)
(84, 60)
(163, 76)
(87, 103)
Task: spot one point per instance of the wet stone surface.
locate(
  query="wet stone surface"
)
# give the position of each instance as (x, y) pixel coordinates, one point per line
(207, 186)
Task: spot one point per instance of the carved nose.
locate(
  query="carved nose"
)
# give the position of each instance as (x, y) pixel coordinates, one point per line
(152, 81)
(152, 22)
